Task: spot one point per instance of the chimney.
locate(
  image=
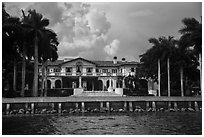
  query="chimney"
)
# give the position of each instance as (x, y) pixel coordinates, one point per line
(114, 60)
(123, 59)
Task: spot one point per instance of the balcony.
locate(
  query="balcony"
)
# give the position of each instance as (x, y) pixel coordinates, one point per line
(82, 74)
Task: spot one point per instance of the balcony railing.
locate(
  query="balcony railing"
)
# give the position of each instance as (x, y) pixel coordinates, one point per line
(82, 74)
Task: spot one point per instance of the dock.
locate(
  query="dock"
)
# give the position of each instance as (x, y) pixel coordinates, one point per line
(129, 103)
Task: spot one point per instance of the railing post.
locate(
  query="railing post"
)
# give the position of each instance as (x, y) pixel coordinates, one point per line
(189, 104)
(7, 109)
(101, 105)
(196, 106)
(130, 106)
(169, 105)
(147, 105)
(53, 106)
(32, 108)
(125, 106)
(26, 106)
(108, 106)
(175, 106)
(59, 108)
(153, 106)
(77, 105)
(82, 107)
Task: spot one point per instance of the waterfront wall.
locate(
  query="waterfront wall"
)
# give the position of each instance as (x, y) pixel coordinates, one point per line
(47, 105)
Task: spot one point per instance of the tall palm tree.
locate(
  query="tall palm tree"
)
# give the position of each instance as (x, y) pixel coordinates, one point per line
(161, 51)
(50, 54)
(192, 32)
(11, 32)
(36, 25)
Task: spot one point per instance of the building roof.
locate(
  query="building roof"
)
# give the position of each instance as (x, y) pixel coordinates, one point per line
(98, 63)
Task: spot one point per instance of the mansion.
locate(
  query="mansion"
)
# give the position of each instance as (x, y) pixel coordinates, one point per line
(87, 75)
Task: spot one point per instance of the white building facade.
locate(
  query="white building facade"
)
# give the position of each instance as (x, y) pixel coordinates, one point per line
(86, 75)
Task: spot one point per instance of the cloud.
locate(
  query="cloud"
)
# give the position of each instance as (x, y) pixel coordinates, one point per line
(98, 22)
(83, 30)
(112, 48)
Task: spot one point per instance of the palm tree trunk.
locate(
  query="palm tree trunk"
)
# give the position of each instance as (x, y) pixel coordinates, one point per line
(181, 74)
(200, 62)
(45, 79)
(35, 81)
(14, 74)
(159, 78)
(168, 71)
(23, 73)
(23, 77)
(42, 79)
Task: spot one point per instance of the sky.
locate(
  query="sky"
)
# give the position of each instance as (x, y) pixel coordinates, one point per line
(102, 30)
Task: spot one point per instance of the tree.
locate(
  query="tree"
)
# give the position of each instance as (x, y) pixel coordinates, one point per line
(36, 27)
(11, 39)
(192, 39)
(44, 42)
(51, 55)
(162, 50)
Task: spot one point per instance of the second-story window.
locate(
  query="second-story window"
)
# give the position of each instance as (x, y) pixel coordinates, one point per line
(88, 70)
(114, 70)
(68, 69)
(105, 70)
(56, 69)
(97, 70)
(132, 69)
(51, 69)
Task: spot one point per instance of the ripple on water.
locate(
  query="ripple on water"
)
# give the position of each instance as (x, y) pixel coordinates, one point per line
(126, 124)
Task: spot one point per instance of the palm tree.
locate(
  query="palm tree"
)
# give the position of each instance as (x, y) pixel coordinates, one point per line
(11, 31)
(161, 51)
(36, 25)
(50, 54)
(192, 33)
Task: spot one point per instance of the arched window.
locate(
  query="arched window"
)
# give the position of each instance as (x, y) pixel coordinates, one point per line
(79, 65)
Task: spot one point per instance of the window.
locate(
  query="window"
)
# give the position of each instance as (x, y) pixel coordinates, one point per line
(89, 70)
(68, 69)
(56, 69)
(132, 69)
(114, 70)
(51, 69)
(97, 70)
(78, 69)
(105, 70)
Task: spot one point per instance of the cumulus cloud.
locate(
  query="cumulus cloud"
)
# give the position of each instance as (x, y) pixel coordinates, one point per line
(81, 29)
(112, 48)
(98, 22)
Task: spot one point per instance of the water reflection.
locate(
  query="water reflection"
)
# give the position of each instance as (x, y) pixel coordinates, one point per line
(112, 124)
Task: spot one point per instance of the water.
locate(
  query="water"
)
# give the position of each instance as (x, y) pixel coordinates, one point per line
(171, 123)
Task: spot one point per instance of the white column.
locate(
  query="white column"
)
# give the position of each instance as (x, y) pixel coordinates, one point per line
(52, 83)
(114, 84)
(103, 84)
(80, 82)
(123, 82)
